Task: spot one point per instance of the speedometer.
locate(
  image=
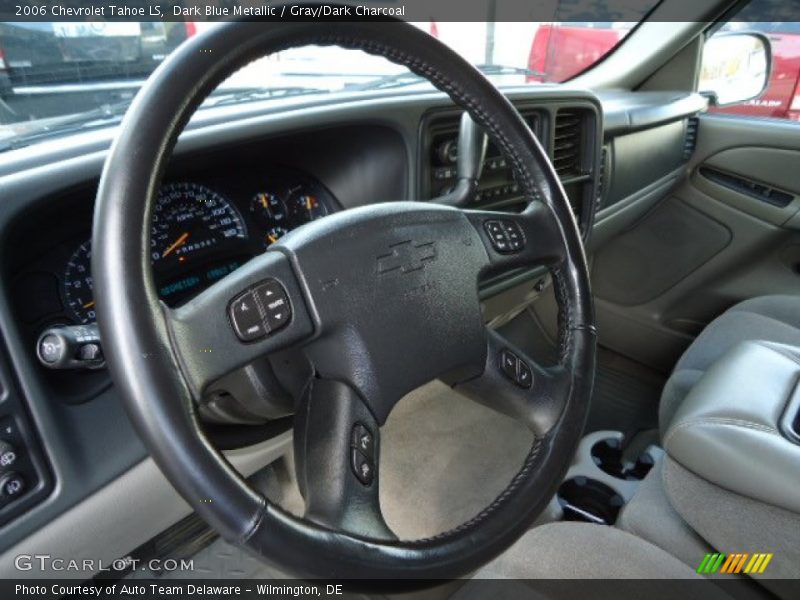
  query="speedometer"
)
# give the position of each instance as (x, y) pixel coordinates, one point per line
(189, 221)
(78, 284)
(197, 237)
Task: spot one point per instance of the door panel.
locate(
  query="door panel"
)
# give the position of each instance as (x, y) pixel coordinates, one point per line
(764, 182)
(713, 242)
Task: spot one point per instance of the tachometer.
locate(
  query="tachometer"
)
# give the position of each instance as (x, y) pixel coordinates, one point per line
(78, 284)
(188, 221)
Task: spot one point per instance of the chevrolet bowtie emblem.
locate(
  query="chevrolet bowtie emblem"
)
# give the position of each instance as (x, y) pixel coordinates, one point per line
(405, 257)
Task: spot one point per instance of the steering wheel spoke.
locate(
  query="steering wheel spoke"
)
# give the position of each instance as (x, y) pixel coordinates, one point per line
(337, 451)
(518, 386)
(519, 239)
(256, 310)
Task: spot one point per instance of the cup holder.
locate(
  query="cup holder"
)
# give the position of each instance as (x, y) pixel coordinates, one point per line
(607, 455)
(589, 500)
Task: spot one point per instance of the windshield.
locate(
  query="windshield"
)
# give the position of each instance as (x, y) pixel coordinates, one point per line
(60, 77)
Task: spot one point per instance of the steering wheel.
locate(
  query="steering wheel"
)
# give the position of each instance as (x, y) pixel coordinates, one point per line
(380, 299)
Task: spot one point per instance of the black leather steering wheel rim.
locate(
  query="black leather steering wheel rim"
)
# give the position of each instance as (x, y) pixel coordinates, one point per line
(140, 335)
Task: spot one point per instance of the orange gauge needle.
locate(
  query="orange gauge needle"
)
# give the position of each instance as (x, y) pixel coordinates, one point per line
(89, 304)
(272, 238)
(176, 244)
(309, 203)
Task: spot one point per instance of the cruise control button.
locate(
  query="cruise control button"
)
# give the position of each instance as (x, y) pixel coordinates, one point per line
(514, 235)
(363, 467)
(508, 362)
(246, 318)
(363, 441)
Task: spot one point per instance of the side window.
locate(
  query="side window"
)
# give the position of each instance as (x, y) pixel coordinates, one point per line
(781, 96)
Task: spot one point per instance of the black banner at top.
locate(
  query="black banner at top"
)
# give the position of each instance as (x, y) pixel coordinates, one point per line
(590, 11)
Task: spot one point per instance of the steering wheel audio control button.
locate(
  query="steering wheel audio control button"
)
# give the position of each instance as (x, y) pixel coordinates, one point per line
(508, 362)
(516, 369)
(246, 318)
(363, 441)
(363, 467)
(524, 375)
(516, 241)
(259, 311)
(497, 236)
(362, 453)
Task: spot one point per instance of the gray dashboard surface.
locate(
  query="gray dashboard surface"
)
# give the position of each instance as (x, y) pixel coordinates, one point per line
(625, 112)
(91, 444)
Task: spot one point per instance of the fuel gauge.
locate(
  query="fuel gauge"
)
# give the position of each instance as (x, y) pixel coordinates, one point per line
(268, 209)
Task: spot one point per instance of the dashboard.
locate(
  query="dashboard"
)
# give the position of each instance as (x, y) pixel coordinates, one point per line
(241, 177)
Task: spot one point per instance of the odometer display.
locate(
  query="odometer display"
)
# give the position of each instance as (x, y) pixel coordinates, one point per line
(191, 221)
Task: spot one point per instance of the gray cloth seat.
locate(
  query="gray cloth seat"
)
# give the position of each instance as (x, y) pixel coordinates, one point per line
(548, 555)
(767, 318)
(571, 550)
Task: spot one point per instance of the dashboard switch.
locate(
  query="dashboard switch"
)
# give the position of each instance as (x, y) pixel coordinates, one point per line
(8, 456)
(70, 347)
(51, 348)
(246, 318)
(12, 485)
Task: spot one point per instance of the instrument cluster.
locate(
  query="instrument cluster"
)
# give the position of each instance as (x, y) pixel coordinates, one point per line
(201, 231)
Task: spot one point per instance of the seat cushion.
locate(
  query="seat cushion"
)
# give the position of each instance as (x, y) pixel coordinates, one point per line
(569, 550)
(768, 318)
(553, 562)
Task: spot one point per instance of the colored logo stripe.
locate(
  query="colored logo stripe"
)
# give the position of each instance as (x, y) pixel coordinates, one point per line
(734, 563)
(758, 563)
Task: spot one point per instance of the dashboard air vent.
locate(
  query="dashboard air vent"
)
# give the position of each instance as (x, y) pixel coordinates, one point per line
(691, 138)
(601, 177)
(567, 143)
